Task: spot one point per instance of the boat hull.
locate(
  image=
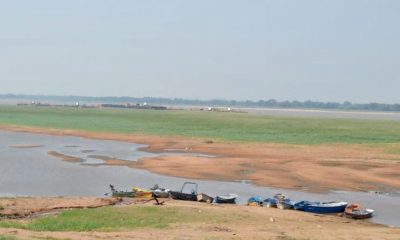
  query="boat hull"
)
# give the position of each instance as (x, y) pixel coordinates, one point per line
(325, 208)
(230, 199)
(183, 196)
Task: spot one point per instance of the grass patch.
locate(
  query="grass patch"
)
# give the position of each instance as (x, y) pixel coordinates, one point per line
(6, 237)
(115, 219)
(207, 125)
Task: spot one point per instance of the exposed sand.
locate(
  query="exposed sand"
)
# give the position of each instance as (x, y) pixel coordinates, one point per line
(316, 168)
(246, 223)
(64, 157)
(26, 146)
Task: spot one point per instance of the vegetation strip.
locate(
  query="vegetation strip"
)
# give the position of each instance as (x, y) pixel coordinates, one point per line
(207, 125)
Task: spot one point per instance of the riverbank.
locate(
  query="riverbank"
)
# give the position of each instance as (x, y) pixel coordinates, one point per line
(302, 167)
(184, 220)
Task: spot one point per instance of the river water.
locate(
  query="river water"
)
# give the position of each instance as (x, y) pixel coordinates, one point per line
(26, 169)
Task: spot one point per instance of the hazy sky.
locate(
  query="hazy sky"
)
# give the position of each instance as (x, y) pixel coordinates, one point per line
(328, 50)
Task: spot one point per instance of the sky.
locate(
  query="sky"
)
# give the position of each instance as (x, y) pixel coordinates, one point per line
(322, 50)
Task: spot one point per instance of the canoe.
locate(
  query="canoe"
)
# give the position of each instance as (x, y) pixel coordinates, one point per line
(255, 201)
(202, 197)
(116, 193)
(321, 207)
(228, 198)
(356, 211)
(143, 193)
(180, 195)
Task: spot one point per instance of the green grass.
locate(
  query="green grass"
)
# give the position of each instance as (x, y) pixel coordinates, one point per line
(115, 219)
(6, 237)
(207, 125)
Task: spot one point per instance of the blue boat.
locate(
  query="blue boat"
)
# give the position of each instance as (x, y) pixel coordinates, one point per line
(256, 199)
(300, 205)
(271, 202)
(321, 207)
(275, 201)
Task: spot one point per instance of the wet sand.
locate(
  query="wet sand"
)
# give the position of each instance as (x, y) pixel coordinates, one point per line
(314, 168)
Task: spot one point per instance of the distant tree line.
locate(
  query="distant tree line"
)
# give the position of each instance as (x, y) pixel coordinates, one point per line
(213, 103)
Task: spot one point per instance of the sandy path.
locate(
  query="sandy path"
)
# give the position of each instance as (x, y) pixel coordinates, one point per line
(316, 168)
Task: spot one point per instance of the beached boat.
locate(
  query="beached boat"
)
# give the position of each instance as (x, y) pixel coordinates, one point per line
(180, 195)
(286, 204)
(117, 193)
(228, 198)
(202, 197)
(160, 192)
(255, 201)
(356, 211)
(270, 202)
(274, 201)
(321, 207)
(143, 193)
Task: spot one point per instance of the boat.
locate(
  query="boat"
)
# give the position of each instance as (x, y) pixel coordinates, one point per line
(228, 198)
(143, 193)
(270, 202)
(255, 201)
(117, 193)
(300, 205)
(160, 192)
(356, 211)
(286, 204)
(275, 200)
(321, 207)
(180, 195)
(202, 197)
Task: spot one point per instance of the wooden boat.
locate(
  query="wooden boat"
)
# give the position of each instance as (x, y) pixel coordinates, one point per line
(321, 207)
(116, 193)
(202, 197)
(255, 201)
(143, 193)
(228, 198)
(180, 195)
(356, 211)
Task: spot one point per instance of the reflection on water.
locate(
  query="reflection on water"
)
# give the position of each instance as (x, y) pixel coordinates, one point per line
(32, 172)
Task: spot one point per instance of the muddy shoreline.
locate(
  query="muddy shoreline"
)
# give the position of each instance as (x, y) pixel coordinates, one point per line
(312, 168)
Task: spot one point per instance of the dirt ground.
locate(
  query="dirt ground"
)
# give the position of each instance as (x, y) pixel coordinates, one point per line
(258, 223)
(314, 168)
